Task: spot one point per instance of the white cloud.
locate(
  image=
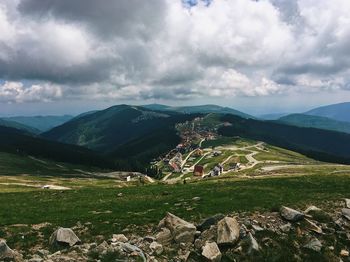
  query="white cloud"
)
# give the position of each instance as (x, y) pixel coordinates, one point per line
(16, 92)
(161, 50)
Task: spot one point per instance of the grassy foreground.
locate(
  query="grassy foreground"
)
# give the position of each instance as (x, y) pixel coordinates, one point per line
(146, 205)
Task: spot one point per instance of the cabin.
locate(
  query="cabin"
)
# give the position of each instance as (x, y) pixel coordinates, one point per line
(198, 170)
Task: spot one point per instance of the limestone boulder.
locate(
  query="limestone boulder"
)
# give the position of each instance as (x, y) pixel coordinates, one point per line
(228, 231)
(211, 252)
(64, 236)
(181, 230)
(291, 214)
(346, 213)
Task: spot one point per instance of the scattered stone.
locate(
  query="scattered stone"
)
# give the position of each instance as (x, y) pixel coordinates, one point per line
(253, 244)
(228, 231)
(286, 227)
(291, 214)
(181, 230)
(344, 253)
(209, 222)
(211, 252)
(346, 213)
(64, 236)
(119, 194)
(243, 231)
(209, 235)
(314, 245)
(347, 203)
(312, 208)
(132, 251)
(156, 248)
(313, 227)
(257, 228)
(196, 198)
(164, 236)
(119, 238)
(5, 251)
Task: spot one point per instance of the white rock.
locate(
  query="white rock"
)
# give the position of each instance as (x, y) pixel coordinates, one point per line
(313, 227)
(344, 253)
(181, 230)
(164, 236)
(228, 231)
(346, 213)
(291, 214)
(314, 245)
(347, 203)
(211, 252)
(257, 228)
(312, 208)
(253, 244)
(5, 251)
(64, 236)
(286, 227)
(156, 248)
(119, 238)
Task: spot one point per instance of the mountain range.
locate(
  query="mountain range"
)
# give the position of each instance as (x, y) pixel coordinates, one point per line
(203, 109)
(39, 123)
(128, 137)
(340, 112)
(319, 122)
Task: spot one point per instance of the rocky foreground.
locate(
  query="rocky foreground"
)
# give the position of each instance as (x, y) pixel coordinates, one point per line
(291, 235)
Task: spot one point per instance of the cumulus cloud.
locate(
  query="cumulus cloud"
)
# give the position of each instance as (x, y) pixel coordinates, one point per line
(172, 49)
(16, 92)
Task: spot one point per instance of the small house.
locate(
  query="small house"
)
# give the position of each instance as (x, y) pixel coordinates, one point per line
(198, 170)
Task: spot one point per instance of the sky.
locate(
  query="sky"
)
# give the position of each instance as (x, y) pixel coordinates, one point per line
(261, 56)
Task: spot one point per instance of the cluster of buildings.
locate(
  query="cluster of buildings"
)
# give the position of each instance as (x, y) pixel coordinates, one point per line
(176, 162)
(216, 171)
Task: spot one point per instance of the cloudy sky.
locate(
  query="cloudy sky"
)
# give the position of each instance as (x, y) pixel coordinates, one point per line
(69, 56)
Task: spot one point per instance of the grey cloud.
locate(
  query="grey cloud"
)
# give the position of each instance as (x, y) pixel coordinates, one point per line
(156, 49)
(108, 18)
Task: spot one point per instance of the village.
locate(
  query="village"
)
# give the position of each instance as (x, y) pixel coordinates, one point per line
(192, 158)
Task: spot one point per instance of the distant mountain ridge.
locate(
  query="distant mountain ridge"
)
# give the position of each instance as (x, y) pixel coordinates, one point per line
(203, 109)
(19, 126)
(17, 141)
(272, 116)
(340, 112)
(106, 130)
(41, 123)
(315, 122)
(324, 145)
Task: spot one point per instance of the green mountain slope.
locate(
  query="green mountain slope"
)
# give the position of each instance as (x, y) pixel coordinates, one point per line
(340, 112)
(18, 142)
(319, 144)
(275, 116)
(316, 122)
(42, 123)
(202, 109)
(108, 129)
(28, 129)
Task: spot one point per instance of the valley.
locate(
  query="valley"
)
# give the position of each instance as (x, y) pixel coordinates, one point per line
(209, 166)
(174, 131)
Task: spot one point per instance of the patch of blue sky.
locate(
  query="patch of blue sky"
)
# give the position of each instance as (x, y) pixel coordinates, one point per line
(191, 3)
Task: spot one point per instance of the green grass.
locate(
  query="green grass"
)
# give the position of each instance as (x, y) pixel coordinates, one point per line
(283, 155)
(210, 162)
(146, 205)
(12, 164)
(219, 142)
